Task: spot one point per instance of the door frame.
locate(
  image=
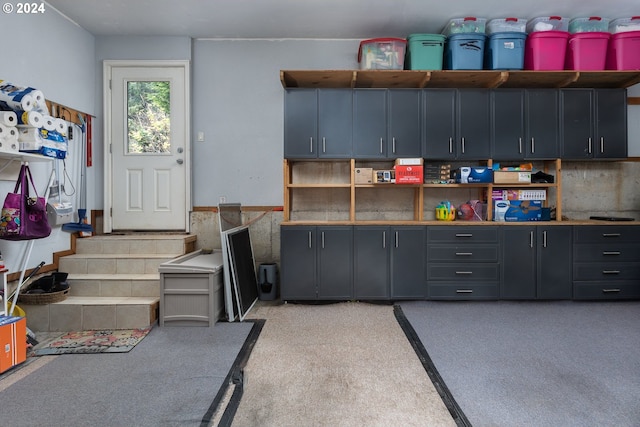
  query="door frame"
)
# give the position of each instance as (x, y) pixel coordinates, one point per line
(107, 67)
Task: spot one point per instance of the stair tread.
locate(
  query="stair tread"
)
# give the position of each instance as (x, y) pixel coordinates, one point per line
(163, 236)
(117, 276)
(109, 300)
(117, 256)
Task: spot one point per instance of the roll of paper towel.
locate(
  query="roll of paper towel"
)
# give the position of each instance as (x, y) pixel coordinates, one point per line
(61, 126)
(18, 97)
(24, 102)
(8, 118)
(29, 118)
(48, 122)
(39, 102)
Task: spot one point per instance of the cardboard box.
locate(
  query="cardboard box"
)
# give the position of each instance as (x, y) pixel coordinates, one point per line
(410, 161)
(517, 210)
(384, 176)
(511, 177)
(363, 175)
(409, 174)
(473, 175)
(13, 341)
(536, 194)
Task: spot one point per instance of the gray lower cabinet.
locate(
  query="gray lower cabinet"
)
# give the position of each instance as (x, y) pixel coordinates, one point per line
(606, 262)
(536, 262)
(316, 263)
(389, 262)
(463, 262)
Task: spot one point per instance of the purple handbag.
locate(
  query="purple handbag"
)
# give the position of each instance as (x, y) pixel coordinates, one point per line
(24, 217)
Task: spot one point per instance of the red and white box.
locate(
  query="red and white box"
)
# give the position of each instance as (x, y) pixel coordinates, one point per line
(409, 171)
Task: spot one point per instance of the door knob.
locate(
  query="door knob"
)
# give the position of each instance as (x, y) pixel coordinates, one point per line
(180, 150)
(180, 161)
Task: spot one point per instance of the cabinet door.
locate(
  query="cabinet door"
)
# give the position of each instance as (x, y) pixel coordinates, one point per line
(300, 123)
(518, 262)
(554, 262)
(371, 272)
(611, 123)
(404, 123)
(507, 118)
(473, 124)
(369, 123)
(577, 123)
(297, 263)
(335, 123)
(542, 122)
(335, 262)
(439, 123)
(408, 276)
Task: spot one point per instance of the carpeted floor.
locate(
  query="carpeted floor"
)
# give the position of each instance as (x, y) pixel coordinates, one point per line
(343, 364)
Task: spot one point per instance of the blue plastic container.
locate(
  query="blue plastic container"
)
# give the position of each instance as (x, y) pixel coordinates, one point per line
(505, 51)
(465, 51)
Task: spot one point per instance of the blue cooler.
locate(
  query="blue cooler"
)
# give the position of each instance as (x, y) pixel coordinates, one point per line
(465, 51)
(505, 51)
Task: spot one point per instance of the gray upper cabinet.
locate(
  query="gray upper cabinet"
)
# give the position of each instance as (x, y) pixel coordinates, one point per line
(507, 124)
(542, 139)
(386, 123)
(594, 124)
(456, 124)
(317, 123)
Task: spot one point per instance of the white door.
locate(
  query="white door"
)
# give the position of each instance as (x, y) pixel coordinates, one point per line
(146, 149)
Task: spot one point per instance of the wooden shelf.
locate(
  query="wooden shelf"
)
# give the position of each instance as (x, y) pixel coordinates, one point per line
(457, 79)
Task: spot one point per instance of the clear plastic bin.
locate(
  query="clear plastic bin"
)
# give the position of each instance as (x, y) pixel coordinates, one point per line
(623, 25)
(547, 23)
(382, 54)
(589, 25)
(506, 25)
(470, 24)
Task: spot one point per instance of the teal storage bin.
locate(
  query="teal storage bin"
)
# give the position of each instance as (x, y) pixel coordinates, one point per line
(465, 51)
(425, 52)
(505, 51)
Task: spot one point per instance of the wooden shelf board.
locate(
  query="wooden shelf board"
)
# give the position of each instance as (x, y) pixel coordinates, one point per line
(391, 79)
(317, 78)
(319, 185)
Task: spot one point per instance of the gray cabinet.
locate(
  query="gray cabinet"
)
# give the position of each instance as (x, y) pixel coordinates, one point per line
(456, 124)
(386, 123)
(594, 123)
(317, 123)
(606, 262)
(542, 139)
(389, 262)
(507, 124)
(316, 262)
(463, 262)
(536, 262)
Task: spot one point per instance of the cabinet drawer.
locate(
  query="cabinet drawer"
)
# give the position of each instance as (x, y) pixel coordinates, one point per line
(606, 271)
(615, 252)
(462, 253)
(606, 290)
(461, 292)
(463, 272)
(456, 234)
(606, 234)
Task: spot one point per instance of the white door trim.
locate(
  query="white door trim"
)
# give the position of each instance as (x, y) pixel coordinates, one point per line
(108, 65)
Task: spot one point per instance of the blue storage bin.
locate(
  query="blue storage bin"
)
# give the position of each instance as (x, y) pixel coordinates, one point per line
(465, 51)
(505, 51)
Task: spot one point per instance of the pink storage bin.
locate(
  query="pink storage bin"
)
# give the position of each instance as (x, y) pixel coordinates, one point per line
(622, 53)
(587, 51)
(545, 50)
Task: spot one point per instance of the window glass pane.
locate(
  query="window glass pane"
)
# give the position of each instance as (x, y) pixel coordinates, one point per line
(148, 118)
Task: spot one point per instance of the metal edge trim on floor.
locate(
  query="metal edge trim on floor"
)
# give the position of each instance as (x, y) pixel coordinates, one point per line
(235, 376)
(439, 384)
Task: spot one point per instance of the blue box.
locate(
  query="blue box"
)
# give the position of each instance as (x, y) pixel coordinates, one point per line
(523, 210)
(474, 174)
(465, 51)
(505, 51)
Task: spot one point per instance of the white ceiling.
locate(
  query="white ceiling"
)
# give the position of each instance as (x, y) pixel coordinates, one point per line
(311, 19)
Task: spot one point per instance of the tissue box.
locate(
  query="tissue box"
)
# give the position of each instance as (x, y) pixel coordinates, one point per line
(473, 175)
(517, 210)
(13, 341)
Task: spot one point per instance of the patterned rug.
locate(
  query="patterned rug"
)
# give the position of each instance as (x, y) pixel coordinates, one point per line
(110, 341)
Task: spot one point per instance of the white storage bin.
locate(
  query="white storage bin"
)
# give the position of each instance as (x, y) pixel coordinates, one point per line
(623, 25)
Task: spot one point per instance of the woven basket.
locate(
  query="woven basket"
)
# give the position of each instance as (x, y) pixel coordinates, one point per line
(45, 298)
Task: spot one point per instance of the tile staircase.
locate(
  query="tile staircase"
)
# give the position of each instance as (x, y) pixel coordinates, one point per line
(114, 283)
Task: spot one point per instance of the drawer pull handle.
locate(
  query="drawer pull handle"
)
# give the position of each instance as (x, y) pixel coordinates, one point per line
(611, 253)
(610, 291)
(610, 234)
(464, 253)
(464, 291)
(610, 271)
(464, 234)
(464, 273)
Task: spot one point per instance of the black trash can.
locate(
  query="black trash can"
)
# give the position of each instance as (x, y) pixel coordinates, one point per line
(267, 281)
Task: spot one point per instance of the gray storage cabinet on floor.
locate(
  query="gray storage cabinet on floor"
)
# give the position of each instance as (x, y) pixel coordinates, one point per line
(191, 290)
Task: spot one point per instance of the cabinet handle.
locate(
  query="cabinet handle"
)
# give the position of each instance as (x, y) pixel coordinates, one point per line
(610, 234)
(520, 145)
(602, 144)
(590, 145)
(464, 234)
(464, 273)
(397, 239)
(310, 246)
(462, 145)
(608, 291)
(322, 239)
(610, 252)
(533, 145)
(531, 239)
(324, 144)
(311, 144)
(381, 147)
(384, 239)
(393, 145)
(464, 253)
(464, 291)
(544, 239)
(610, 271)
(450, 145)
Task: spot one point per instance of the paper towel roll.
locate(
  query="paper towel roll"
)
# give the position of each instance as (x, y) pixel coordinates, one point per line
(39, 102)
(9, 146)
(29, 118)
(4, 131)
(24, 102)
(29, 137)
(22, 98)
(8, 118)
(48, 122)
(61, 126)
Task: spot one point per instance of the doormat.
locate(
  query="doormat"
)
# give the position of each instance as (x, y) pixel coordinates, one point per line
(109, 341)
